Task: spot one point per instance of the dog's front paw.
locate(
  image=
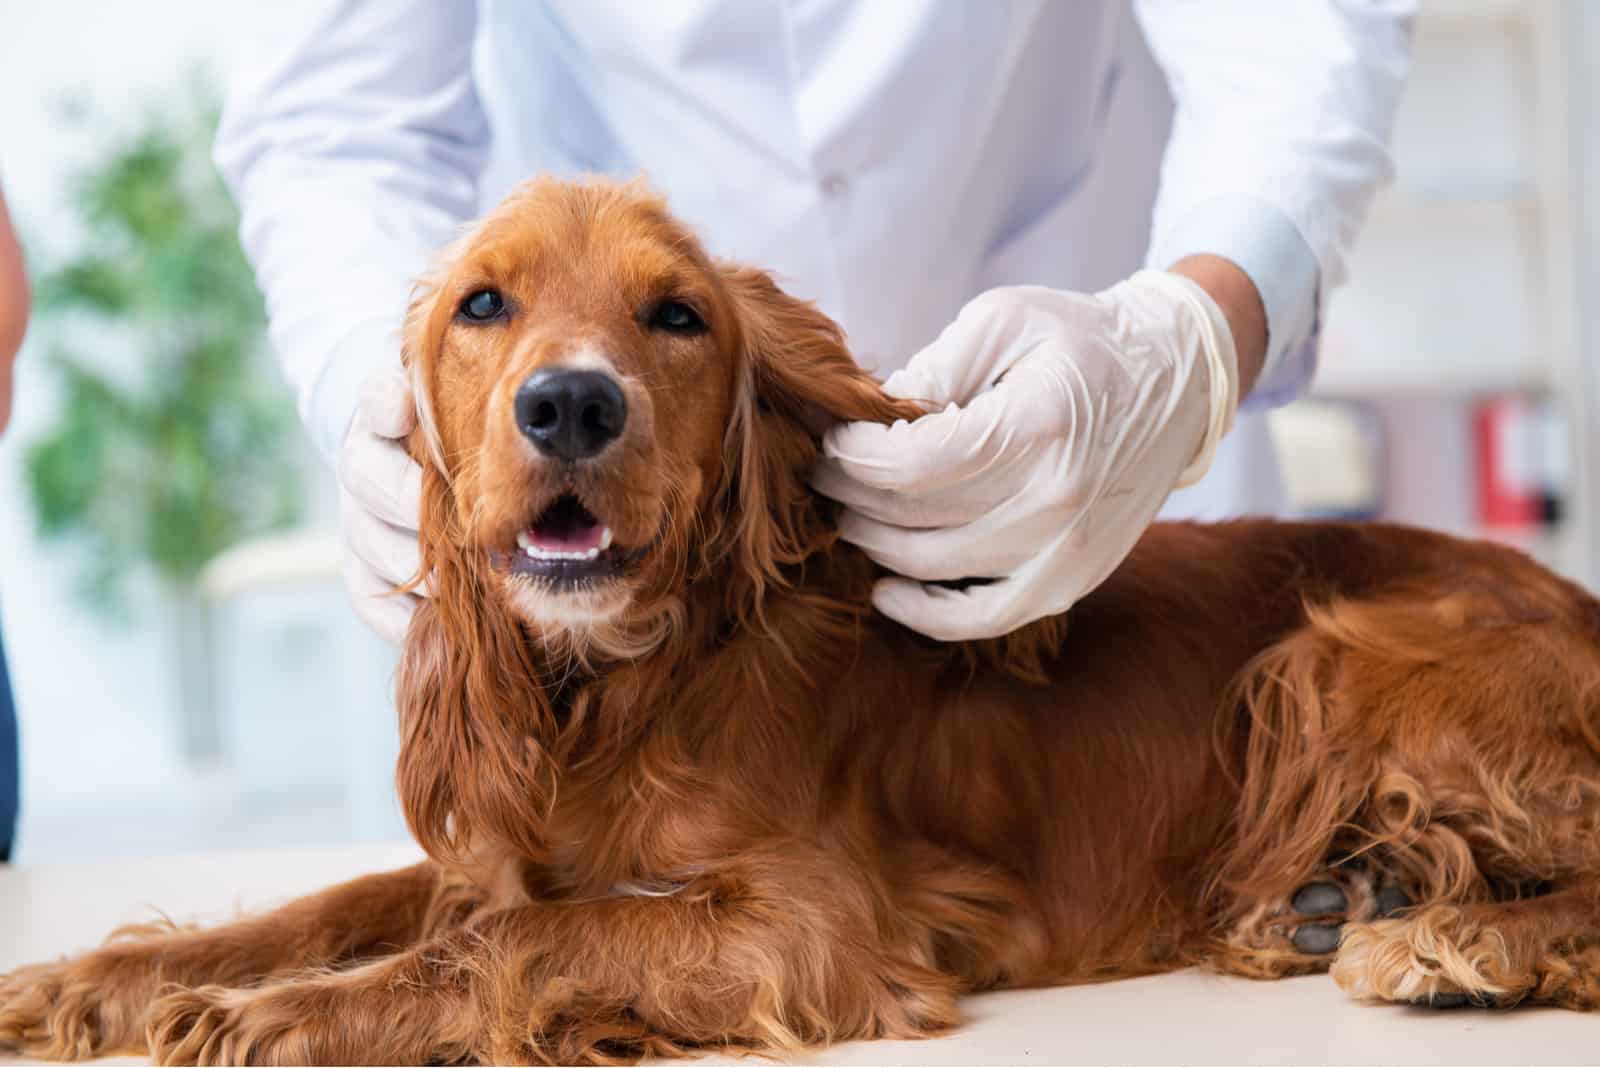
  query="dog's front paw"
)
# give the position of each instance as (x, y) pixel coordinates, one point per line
(215, 1025)
(27, 1002)
(62, 1010)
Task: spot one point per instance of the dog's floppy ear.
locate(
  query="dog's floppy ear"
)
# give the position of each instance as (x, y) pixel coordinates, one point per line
(799, 365)
(475, 721)
(474, 717)
(796, 379)
(421, 337)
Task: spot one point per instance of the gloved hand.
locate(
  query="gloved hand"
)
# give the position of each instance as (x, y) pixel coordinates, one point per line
(1059, 422)
(380, 494)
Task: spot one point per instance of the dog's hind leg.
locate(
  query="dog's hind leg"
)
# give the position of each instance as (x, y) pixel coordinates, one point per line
(97, 1003)
(1543, 949)
(1443, 749)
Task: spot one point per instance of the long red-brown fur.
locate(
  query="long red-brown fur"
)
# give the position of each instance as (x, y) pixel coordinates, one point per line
(741, 810)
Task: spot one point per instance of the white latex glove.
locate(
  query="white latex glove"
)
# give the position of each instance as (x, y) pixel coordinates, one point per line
(1059, 422)
(380, 495)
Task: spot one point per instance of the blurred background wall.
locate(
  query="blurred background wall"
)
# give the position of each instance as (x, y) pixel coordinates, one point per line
(110, 763)
(1459, 389)
(1460, 340)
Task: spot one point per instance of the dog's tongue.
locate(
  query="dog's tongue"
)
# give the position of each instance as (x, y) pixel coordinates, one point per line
(577, 540)
(566, 527)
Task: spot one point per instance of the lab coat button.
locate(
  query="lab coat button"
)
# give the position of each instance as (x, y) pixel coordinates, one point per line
(835, 185)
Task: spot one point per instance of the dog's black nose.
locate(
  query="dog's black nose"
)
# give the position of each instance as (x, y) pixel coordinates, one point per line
(571, 415)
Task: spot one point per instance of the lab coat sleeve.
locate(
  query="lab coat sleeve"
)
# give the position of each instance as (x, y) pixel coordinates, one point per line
(352, 141)
(1283, 112)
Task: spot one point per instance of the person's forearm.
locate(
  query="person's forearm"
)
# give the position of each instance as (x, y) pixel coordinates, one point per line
(1241, 304)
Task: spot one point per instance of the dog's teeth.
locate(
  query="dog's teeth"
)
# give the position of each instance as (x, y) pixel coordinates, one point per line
(535, 552)
(605, 540)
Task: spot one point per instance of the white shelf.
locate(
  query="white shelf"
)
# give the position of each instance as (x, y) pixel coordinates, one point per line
(1334, 382)
(1403, 207)
(1445, 293)
(1457, 15)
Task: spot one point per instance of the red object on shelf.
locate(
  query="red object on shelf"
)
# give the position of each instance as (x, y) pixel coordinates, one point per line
(1504, 499)
(1520, 470)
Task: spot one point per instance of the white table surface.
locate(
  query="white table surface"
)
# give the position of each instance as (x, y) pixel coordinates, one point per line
(1188, 1017)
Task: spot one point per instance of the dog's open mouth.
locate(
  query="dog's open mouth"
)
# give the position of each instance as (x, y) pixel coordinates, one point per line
(566, 543)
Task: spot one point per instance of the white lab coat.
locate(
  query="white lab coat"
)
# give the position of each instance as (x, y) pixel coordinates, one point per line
(888, 158)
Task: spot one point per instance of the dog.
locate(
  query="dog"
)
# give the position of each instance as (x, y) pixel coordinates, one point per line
(681, 789)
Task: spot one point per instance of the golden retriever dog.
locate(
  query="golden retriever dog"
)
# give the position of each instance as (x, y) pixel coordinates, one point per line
(680, 789)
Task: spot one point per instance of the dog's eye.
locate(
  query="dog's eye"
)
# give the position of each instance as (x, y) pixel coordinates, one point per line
(482, 306)
(677, 317)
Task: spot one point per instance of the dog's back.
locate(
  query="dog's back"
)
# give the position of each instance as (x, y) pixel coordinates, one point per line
(1109, 811)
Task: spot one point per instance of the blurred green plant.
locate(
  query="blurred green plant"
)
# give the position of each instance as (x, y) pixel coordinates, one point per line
(186, 446)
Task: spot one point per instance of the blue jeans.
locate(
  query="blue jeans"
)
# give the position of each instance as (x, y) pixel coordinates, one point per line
(10, 767)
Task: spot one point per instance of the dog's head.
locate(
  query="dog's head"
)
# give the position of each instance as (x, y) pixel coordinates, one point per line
(607, 416)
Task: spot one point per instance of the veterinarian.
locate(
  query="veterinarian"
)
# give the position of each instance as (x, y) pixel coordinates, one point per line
(14, 300)
(1011, 166)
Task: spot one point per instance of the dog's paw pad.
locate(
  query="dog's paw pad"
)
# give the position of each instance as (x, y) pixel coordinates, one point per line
(1316, 938)
(1461, 999)
(1444, 999)
(1390, 900)
(1319, 899)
